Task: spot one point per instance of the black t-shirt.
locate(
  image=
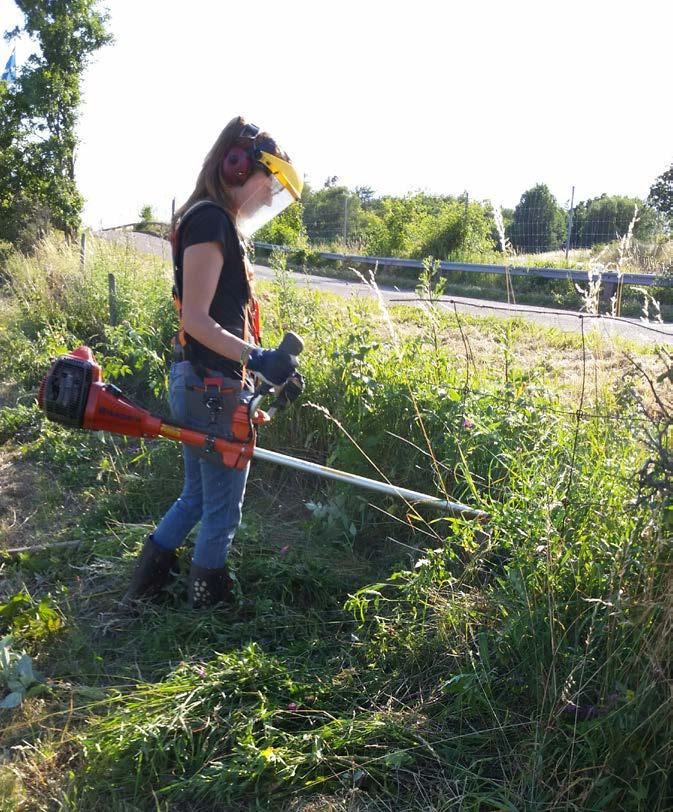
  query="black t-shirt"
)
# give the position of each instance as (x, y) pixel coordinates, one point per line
(209, 223)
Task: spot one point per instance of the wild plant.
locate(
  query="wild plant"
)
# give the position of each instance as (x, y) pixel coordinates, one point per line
(653, 315)
(17, 678)
(506, 250)
(591, 294)
(430, 289)
(625, 250)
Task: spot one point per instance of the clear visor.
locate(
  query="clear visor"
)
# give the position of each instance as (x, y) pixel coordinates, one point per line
(262, 206)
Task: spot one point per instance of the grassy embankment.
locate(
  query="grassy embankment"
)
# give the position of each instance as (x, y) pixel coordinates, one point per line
(378, 658)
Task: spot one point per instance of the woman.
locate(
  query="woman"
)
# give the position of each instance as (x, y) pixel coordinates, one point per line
(244, 182)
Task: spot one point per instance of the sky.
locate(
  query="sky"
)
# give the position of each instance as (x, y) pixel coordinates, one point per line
(444, 96)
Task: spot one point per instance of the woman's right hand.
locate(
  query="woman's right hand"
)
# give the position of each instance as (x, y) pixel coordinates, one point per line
(272, 366)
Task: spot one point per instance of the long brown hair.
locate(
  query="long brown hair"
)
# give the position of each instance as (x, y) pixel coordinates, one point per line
(210, 184)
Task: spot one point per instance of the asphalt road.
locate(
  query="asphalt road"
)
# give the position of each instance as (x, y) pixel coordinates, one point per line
(567, 320)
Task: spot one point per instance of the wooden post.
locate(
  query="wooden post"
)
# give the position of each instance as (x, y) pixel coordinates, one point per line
(112, 298)
(608, 290)
(82, 251)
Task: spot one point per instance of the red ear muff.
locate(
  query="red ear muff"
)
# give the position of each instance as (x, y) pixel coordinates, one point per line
(237, 166)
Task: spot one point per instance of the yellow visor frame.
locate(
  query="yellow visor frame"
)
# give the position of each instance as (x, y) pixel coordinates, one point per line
(268, 202)
(283, 171)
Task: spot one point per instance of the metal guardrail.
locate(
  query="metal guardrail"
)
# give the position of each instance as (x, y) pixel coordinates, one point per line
(572, 274)
(546, 273)
(134, 225)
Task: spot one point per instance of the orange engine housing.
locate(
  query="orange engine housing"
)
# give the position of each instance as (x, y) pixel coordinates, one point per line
(73, 394)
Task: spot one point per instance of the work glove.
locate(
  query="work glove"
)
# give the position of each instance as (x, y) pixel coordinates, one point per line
(294, 387)
(272, 366)
(290, 392)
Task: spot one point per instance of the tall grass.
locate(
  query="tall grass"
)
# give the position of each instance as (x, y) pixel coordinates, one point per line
(379, 657)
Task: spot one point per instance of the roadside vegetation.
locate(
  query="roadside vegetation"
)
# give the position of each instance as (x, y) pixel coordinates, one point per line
(652, 303)
(538, 232)
(609, 234)
(378, 657)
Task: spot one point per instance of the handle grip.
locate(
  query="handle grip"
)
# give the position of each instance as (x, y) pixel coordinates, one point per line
(291, 344)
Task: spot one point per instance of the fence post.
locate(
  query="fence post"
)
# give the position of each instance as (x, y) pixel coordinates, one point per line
(608, 290)
(112, 298)
(570, 221)
(82, 251)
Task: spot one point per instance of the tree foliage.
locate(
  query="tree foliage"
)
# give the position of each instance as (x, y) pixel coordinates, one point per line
(539, 223)
(285, 229)
(38, 117)
(661, 194)
(416, 225)
(608, 217)
(335, 213)
(147, 224)
(421, 225)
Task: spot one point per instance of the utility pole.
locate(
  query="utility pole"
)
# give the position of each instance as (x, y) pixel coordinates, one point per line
(570, 221)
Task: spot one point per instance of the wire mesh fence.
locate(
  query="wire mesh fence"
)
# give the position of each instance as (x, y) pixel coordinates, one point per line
(537, 230)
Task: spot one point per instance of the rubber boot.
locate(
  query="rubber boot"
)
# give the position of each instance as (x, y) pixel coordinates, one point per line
(153, 569)
(208, 587)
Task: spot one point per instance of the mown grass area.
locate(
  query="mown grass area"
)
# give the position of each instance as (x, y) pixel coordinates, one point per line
(378, 656)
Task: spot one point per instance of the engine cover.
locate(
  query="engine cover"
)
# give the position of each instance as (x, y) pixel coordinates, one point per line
(64, 391)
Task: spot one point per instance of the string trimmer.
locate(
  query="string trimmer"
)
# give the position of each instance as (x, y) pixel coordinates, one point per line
(73, 394)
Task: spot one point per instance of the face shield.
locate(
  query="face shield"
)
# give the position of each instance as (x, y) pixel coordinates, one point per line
(271, 192)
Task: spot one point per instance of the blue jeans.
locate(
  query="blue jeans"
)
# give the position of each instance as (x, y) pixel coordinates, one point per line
(211, 492)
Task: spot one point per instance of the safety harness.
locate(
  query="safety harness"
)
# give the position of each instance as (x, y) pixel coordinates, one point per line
(251, 321)
(222, 402)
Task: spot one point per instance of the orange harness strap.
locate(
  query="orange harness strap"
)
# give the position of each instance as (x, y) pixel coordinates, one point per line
(251, 320)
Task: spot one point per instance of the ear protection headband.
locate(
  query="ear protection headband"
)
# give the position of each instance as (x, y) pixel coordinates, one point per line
(239, 163)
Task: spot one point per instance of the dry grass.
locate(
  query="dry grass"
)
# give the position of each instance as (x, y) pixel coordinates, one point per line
(557, 359)
(20, 487)
(645, 257)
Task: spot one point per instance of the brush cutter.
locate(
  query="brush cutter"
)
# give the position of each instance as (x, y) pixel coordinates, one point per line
(74, 395)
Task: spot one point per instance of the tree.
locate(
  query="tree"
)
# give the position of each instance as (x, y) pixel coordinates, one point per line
(608, 217)
(38, 116)
(148, 221)
(539, 222)
(365, 194)
(287, 228)
(661, 194)
(421, 225)
(326, 211)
